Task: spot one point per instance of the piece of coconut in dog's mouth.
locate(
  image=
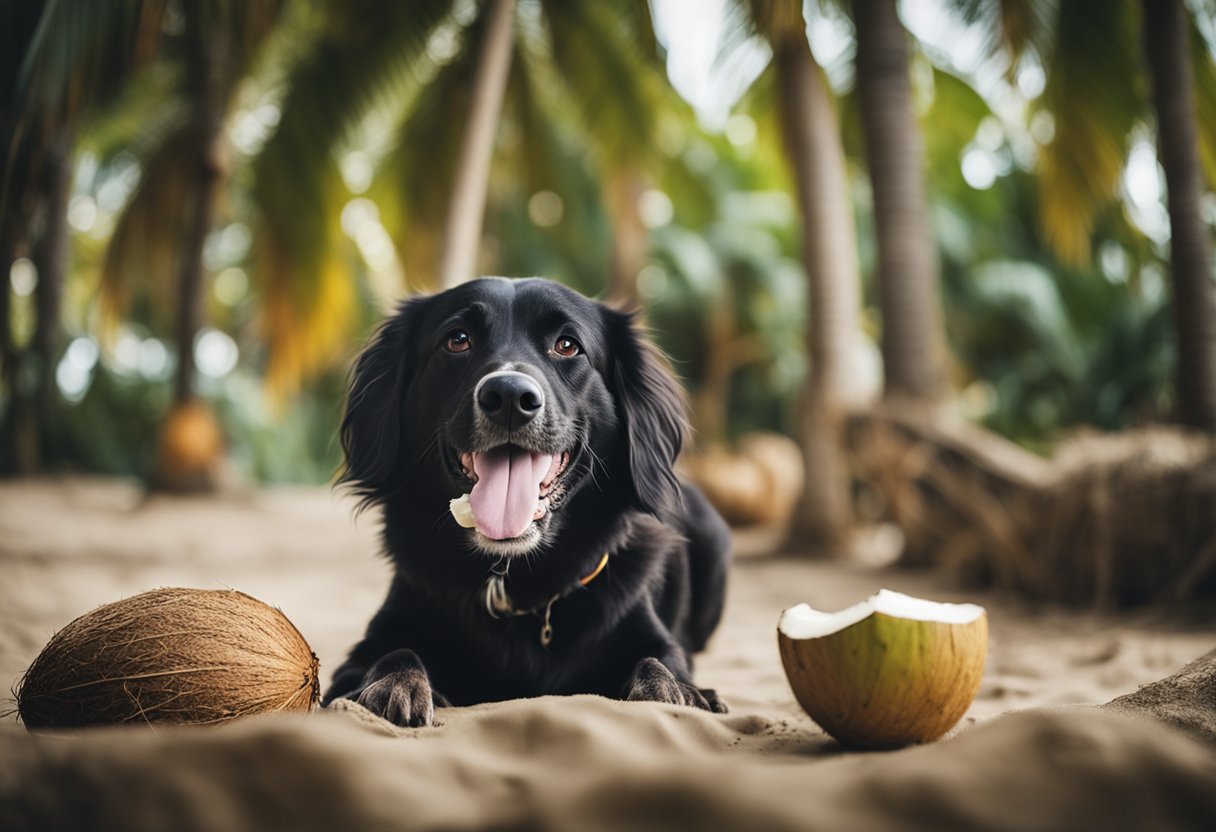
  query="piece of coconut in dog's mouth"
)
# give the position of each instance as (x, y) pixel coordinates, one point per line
(512, 487)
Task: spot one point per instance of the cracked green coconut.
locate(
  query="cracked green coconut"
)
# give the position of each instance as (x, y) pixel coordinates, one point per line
(888, 672)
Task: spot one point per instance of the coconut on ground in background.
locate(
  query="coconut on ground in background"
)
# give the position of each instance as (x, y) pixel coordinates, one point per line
(758, 483)
(190, 449)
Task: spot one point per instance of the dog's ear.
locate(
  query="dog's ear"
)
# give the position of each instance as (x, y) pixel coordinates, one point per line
(371, 426)
(653, 409)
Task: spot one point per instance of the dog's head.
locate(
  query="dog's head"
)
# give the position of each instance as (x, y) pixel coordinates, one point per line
(522, 394)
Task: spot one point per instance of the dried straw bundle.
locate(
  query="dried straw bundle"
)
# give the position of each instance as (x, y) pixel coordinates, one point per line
(1131, 518)
(1111, 520)
(172, 656)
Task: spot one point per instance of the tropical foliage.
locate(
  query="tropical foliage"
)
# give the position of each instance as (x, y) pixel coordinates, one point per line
(341, 124)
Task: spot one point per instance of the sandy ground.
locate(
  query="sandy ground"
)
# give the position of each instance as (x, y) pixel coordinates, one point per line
(69, 545)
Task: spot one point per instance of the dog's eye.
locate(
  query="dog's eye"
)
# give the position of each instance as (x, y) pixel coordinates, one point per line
(567, 347)
(458, 341)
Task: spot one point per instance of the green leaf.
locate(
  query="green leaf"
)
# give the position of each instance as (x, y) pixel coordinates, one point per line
(1205, 101)
(143, 257)
(618, 95)
(1095, 96)
(363, 56)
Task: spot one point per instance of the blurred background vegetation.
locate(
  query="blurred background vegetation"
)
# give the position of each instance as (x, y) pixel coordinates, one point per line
(217, 201)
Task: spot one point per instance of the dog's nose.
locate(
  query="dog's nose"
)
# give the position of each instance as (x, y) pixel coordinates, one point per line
(510, 399)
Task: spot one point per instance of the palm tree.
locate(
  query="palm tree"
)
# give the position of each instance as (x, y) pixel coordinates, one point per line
(623, 190)
(1095, 98)
(51, 258)
(62, 61)
(353, 56)
(202, 49)
(462, 229)
(907, 268)
(164, 226)
(1169, 50)
(574, 67)
(813, 148)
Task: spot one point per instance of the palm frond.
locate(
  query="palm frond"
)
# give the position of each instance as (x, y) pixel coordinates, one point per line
(1014, 27)
(146, 111)
(57, 60)
(158, 120)
(1094, 94)
(18, 153)
(738, 28)
(83, 51)
(618, 93)
(413, 179)
(531, 100)
(949, 124)
(144, 254)
(240, 26)
(1204, 66)
(366, 50)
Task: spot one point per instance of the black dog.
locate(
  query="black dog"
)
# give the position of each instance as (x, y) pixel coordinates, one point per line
(583, 564)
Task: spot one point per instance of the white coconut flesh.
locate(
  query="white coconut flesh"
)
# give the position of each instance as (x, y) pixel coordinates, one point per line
(803, 621)
(462, 511)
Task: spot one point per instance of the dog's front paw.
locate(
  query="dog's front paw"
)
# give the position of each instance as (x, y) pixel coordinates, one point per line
(653, 682)
(398, 689)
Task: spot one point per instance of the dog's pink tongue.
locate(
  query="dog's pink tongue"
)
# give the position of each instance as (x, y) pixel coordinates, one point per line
(507, 490)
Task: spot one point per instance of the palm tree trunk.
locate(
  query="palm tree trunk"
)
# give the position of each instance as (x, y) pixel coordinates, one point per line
(629, 237)
(8, 347)
(51, 259)
(1166, 29)
(208, 64)
(191, 299)
(712, 398)
(462, 229)
(907, 254)
(8, 353)
(813, 145)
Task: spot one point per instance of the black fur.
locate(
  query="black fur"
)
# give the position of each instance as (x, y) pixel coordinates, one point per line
(616, 407)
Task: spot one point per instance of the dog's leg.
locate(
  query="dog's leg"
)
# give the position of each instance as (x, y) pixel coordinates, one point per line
(662, 674)
(708, 556)
(653, 681)
(398, 689)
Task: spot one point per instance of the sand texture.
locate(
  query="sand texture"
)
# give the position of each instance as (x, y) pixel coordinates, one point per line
(1146, 761)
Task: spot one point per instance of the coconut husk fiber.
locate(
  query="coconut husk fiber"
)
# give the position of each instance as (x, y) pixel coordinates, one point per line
(1111, 520)
(190, 450)
(170, 656)
(963, 498)
(1130, 518)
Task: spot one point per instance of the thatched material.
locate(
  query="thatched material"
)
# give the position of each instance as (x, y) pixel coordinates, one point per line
(170, 655)
(1112, 520)
(1131, 518)
(962, 497)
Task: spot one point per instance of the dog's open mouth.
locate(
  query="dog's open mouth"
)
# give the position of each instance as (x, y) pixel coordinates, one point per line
(512, 488)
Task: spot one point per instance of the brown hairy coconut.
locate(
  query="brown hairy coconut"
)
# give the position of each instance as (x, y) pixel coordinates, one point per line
(195, 656)
(190, 450)
(757, 484)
